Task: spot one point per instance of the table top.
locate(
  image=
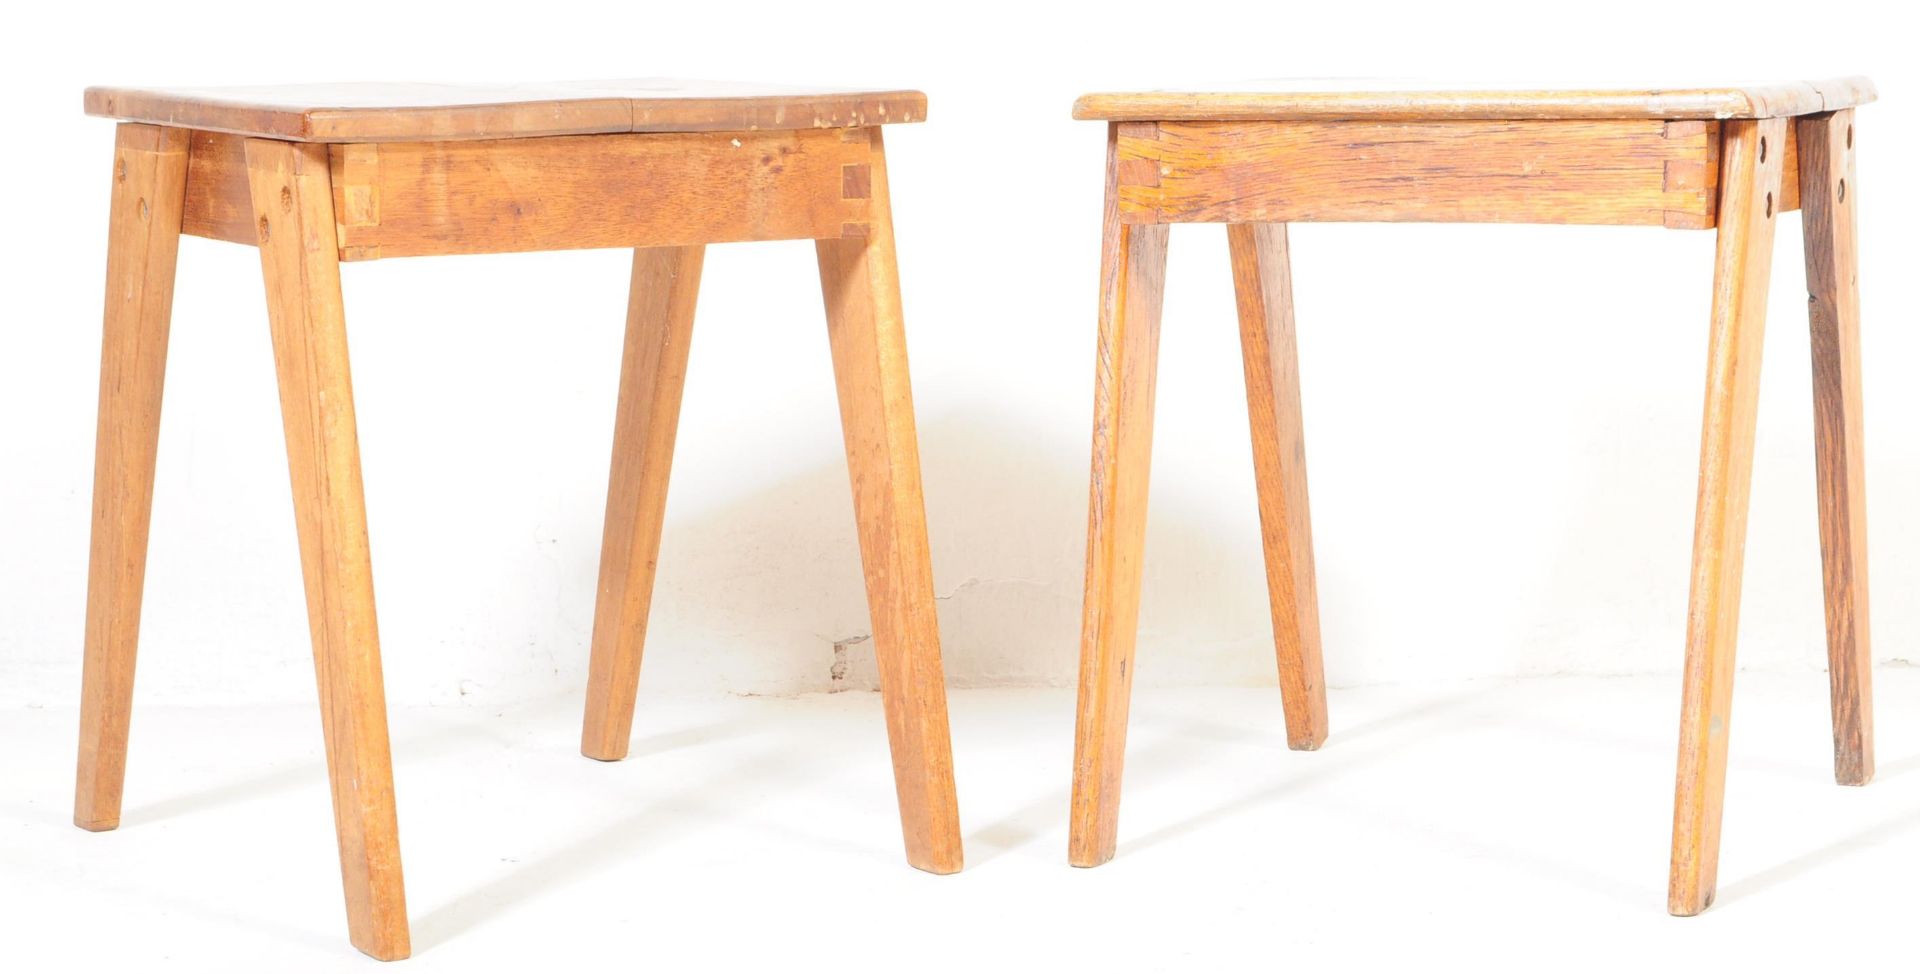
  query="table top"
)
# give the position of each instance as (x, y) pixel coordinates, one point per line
(386, 112)
(1350, 98)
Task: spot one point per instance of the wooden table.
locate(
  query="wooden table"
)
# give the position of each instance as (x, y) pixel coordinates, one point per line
(1730, 158)
(316, 175)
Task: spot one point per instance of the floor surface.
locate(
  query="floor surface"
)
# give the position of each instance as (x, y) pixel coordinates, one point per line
(1507, 825)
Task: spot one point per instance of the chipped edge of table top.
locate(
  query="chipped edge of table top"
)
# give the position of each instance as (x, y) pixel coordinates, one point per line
(1414, 104)
(241, 111)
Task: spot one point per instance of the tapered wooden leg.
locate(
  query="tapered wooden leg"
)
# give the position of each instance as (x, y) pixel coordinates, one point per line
(1749, 187)
(293, 209)
(143, 240)
(1263, 285)
(1833, 302)
(1133, 263)
(653, 371)
(861, 285)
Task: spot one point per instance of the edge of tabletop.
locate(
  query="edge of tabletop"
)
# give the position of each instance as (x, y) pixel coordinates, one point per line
(533, 118)
(1750, 101)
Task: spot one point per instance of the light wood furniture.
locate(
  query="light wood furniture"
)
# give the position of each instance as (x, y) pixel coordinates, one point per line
(316, 175)
(1730, 158)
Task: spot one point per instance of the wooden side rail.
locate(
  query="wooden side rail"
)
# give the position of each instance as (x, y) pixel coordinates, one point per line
(409, 199)
(1571, 171)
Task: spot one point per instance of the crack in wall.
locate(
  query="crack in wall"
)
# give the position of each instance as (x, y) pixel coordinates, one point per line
(837, 674)
(841, 667)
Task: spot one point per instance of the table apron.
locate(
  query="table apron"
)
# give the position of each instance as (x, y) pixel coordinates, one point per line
(404, 199)
(1570, 171)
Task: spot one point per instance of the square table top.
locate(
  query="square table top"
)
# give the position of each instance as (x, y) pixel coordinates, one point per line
(407, 112)
(1333, 99)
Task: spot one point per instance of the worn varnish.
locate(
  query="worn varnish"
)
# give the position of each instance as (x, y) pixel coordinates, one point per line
(1342, 99)
(386, 112)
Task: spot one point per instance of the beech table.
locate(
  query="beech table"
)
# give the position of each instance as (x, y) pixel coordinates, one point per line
(316, 175)
(1727, 158)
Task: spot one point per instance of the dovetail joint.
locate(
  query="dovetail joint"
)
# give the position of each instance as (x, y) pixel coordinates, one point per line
(856, 181)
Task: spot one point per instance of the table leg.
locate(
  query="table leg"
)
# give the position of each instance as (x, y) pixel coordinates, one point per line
(653, 371)
(143, 241)
(1133, 260)
(1827, 209)
(860, 283)
(1749, 184)
(299, 257)
(1264, 287)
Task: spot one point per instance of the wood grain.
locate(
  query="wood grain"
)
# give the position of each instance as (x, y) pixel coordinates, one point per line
(1133, 262)
(1749, 188)
(653, 372)
(1828, 192)
(860, 282)
(1340, 99)
(143, 239)
(1263, 288)
(219, 204)
(395, 112)
(429, 198)
(293, 204)
(1577, 171)
(1790, 172)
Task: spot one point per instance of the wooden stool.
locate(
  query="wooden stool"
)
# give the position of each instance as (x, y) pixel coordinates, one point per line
(314, 175)
(1729, 158)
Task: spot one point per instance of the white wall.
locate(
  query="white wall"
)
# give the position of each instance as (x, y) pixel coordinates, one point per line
(1502, 421)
